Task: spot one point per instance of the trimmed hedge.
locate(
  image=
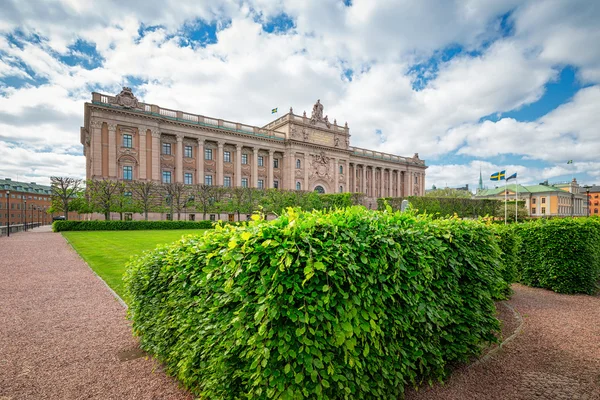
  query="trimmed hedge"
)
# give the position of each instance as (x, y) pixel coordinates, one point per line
(510, 245)
(347, 304)
(97, 225)
(562, 255)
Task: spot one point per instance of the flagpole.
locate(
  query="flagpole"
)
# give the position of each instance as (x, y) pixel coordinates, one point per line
(505, 198)
(516, 199)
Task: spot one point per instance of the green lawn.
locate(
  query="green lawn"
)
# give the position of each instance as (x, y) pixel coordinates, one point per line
(107, 252)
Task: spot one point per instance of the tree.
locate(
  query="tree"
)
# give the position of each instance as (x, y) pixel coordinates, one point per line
(145, 194)
(449, 192)
(64, 191)
(177, 196)
(203, 195)
(103, 194)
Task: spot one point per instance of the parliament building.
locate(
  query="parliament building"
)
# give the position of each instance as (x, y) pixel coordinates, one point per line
(126, 139)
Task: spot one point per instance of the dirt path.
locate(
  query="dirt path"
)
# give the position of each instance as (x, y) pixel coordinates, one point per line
(555, 357)
(62, 334)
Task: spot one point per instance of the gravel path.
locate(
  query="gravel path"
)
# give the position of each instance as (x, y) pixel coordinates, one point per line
(62, 334)
(555, 357)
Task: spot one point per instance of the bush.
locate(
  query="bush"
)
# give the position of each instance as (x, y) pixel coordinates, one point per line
(348, 304)
(61, 226)
(509, 242)
(562, 255)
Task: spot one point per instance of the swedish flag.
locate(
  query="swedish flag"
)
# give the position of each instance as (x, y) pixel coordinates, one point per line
(498, 176)
(274, 111)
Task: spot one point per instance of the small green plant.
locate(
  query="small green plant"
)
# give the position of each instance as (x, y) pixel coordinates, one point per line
(347, 304)
(62, 226)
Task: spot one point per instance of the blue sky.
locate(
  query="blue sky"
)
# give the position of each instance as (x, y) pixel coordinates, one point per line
(485, 85)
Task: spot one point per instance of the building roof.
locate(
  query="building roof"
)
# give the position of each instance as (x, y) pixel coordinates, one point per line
(522, 189)
(593, 189)
(31, 187)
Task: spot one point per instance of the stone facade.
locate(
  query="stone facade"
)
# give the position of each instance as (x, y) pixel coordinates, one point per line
(124, 138)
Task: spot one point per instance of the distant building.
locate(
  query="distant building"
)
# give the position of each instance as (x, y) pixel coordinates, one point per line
(563, 199)
(27, 202)
(593, 193)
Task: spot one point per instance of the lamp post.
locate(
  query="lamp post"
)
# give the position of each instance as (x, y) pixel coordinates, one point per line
(587, 198)
(8, 213)
(25, 215)
(38, 208)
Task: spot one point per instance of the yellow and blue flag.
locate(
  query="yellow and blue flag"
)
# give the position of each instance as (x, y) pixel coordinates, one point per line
(274, 111)
(498, 176)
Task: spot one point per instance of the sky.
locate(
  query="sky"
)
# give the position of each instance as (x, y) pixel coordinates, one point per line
(471, 85)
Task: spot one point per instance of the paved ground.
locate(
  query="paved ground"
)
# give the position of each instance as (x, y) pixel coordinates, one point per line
(62, 333)
(63, 336)
(555, 357)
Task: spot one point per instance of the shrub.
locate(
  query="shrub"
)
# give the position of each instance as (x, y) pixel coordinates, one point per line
(509, 242)
(348, 304)
(562, 255)
(60, 226)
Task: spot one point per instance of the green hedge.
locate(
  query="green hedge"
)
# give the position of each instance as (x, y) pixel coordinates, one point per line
(562, 255)
(509, 242)
(96, 225)
(347, 304)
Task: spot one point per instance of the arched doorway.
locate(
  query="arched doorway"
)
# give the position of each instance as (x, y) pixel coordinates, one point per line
(319, 189)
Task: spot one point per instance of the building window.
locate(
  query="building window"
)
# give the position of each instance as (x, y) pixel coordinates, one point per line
(187, 178)
(192, 217)
(226, 156)
(187, 151)
(227, 181)
(341, 189)
(127, 141)
(276, 184)
(128, 172)
(261, 161)
(166, 148)
(208, 154)
(169, 217)
(543, 210)
(244, 159)
(595, 211)
(533, 201)
(166, 176)
(276, 163)
(245, 182)
(533, 210)
(208, 180)
(128, 216)
(213, 217)
(298, 164)
(341, 169)
(543, 200)
(298, 186)
(261, 184)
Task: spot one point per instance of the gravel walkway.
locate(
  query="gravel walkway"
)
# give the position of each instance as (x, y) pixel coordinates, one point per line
(62, 333)
(555, 357)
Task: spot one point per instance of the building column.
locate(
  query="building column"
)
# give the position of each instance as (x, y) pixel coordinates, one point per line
(200, 162)
(363, 183)
(390, 188)
(112, 151)
(270, 169)
(347, 188)
(306, 163)
(96, 147)
(238, 165)
(410, 185)
(179, 159)
(336, 176)
(141, 173)
(219, 162)
(156, 155)
(289, 163)
(255, 167)
(373, 187)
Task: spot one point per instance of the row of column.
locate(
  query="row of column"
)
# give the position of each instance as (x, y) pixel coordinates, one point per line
(405, 181)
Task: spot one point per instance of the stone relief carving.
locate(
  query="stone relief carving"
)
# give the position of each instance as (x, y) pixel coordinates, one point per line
(304, 134)
(125, 99)
(112, 127)
(167, 158)
(336, 142)
(168, 139)
(320, 165)
(96, 123)
(317, 112)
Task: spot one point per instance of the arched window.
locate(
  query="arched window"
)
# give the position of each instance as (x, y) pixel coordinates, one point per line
(298, 164)
(341, 189)
(341, 169)
(298, 186)
(319, 189)
(595, 211)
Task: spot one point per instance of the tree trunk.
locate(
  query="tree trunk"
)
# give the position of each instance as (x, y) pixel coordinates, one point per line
(146, 214)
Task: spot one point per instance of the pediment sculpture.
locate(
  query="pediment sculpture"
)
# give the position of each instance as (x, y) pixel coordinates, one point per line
(126, 98)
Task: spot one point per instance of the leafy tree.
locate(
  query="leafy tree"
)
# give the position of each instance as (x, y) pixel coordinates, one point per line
(103, 194)
(449, 192)
(124, 199)
(145, 195)
(64, 191)
(177, 196)
(203, 195)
